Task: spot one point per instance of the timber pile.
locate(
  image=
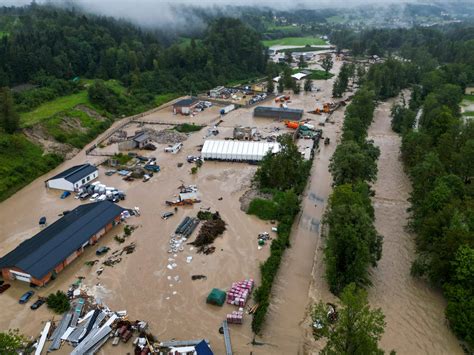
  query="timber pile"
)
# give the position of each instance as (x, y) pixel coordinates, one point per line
(209, 231)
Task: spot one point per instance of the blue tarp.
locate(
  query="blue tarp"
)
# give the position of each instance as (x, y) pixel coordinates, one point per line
(203, 349)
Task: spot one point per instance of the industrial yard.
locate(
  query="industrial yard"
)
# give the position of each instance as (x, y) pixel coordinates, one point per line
(155, 283)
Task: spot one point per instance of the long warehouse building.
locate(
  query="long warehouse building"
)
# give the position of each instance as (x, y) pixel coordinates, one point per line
(279, 113)
(237, 150)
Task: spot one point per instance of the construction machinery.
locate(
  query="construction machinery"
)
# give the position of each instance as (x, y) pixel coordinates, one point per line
(292, 124)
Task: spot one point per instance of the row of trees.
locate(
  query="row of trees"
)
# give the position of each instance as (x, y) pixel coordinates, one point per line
(284, 175)
(353, 244)
(438, 152)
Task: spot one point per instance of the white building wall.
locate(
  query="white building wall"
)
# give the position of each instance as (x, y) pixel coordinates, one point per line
(61, 184)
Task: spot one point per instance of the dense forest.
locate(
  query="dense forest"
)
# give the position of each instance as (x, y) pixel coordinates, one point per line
(72, 62)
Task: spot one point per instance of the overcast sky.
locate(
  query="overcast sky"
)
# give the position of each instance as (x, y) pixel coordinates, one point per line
(158, 12)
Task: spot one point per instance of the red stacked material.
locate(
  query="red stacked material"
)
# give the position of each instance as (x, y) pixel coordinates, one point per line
(240, 292)
(235, 317)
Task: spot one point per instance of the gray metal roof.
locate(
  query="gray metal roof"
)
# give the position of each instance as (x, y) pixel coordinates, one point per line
(141, 137)
(186, 102)
(75, 173)
(41, 253)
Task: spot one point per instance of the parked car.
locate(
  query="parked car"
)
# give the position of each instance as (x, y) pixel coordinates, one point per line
(38, 303)
(102, 250)
(26, 296)
(65, 194)
(42, 221)
(4, 287)
(94, 197)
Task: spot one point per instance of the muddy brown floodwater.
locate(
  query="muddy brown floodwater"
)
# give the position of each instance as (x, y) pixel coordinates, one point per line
(414, 311)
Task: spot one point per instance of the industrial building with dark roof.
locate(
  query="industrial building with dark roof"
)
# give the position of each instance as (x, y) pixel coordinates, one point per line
(37, 260)
(278, 113)
(73, 178)
(185, 106)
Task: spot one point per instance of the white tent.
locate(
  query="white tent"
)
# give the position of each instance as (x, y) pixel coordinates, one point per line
(299, 76)
(237, 150)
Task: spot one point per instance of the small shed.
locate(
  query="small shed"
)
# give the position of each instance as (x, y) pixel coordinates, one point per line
(185, 106)
(216, 297)
(141, 140)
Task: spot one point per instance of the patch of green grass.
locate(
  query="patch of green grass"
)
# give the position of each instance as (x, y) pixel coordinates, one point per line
(164, 98)
(188, 128)
(52, 108)
(21, 162)
(468, 98)
(184, 42)
(122, 159)
(316, 74)
(468, 113)
(295, 41)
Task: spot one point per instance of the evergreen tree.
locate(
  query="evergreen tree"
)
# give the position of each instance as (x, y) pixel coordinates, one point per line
(281, 86)
(327, 64)
(297, 88)
(302, 62)
(288, 58)
(9, 119)
(270, 85)
(308, 85)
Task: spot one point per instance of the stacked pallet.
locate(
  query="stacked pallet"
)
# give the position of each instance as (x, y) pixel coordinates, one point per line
(235, 317)
(240, 292)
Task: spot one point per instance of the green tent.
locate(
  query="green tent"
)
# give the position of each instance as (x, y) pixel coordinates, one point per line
(216, 297)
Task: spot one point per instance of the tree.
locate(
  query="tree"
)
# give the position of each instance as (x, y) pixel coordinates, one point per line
(58, 302)
(327, 65)
(308, 85)
(270, 85)
(351, 163)
(281, 86)
(288, 57)
(9, 119)
(460, 295)
(12, 342)
(302, 62)
(288, 80)
(297, 88)
(284, 170)
(358, 328)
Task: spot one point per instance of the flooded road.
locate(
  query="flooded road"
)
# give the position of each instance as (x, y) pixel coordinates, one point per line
(414, 311)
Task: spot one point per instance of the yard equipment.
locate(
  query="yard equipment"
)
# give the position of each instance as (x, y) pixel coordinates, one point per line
(292, 124)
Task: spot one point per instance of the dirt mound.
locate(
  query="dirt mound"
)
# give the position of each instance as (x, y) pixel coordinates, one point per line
(249, 195)
(38, 135)
(72, 124)
(90, 112)
(167, 136)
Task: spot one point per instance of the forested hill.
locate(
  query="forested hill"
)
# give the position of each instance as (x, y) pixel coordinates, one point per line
(61, 43)
(80, 66)
(64, 44)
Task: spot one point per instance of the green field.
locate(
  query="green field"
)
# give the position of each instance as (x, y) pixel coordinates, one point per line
(468, 113)
(164, 98)
(295, 41)
(52, 108)
(468, 98)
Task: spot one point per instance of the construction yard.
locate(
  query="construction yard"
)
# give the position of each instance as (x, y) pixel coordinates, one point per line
(155, 283)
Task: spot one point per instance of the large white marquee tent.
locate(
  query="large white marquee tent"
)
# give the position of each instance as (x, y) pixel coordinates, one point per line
(237, 150)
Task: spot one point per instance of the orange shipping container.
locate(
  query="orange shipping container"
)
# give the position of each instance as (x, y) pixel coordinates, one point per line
(292, 124)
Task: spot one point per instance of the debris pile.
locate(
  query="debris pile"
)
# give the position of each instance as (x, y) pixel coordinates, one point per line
(209, 231)
(240, 292)
(116, 256)
(262, 239)
(168, 136)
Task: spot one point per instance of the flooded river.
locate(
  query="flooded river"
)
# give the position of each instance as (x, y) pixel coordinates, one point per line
(414, 311)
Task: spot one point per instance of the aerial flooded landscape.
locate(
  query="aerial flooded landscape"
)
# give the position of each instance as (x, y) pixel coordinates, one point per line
(234, 178)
